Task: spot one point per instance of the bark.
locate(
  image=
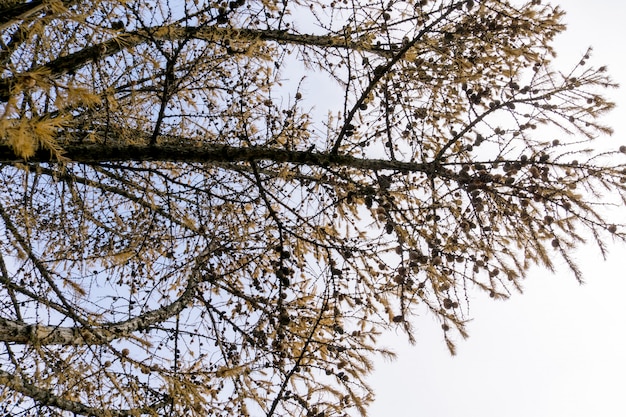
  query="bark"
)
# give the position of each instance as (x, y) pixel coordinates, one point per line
(18, 332)
(14, 10)
(13, 331)
(50, 399)
(209, 153)
(74, 61)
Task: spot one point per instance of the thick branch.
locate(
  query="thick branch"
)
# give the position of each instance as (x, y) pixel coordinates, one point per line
(76, 60)
(23, 333)
(15, 10)
(47, 398)
(98, 153)
(14, 331)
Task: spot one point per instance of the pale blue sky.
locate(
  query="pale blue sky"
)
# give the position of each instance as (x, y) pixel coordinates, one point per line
(558, 350)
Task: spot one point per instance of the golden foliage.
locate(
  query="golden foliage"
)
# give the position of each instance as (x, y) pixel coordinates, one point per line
(185, 235)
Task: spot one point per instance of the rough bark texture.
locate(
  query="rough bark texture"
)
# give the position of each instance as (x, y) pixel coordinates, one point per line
(98, 153)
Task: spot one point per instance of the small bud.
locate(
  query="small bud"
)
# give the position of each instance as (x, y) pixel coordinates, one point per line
(29, 82)
(117, 25)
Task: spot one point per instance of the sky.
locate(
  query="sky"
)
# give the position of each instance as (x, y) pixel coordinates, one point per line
(557, 350)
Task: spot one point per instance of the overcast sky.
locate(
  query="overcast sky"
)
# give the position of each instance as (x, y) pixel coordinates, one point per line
(558, 350)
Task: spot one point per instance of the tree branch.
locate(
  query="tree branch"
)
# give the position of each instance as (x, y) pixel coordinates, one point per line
(16, 10)
(23, 333)
(73, 62)
(208, 153)
(49, 399)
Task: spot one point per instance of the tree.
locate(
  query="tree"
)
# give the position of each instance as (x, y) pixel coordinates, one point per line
(182, 235)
